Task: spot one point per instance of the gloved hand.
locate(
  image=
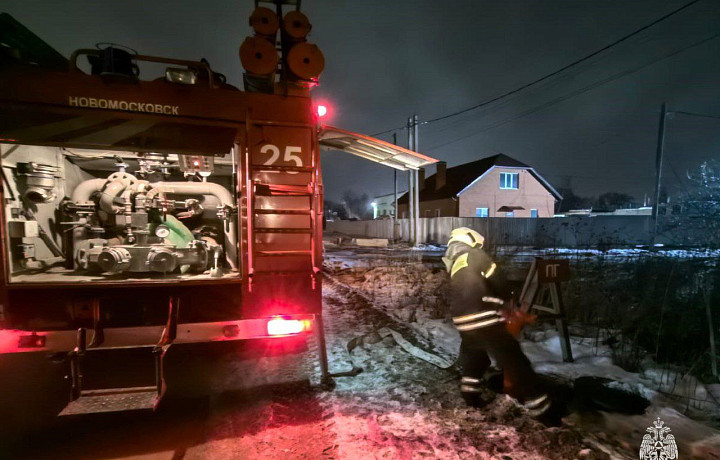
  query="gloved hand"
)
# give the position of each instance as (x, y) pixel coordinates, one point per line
(516, 319)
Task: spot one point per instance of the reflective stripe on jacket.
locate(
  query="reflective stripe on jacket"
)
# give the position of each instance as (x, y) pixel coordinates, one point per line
(477, 320)
(478, 291)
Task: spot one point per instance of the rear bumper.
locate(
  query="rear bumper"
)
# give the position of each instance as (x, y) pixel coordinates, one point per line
(35, 386)
(20, 341)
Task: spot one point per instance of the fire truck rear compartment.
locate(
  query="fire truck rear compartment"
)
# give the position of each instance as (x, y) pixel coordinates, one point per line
(82, 215)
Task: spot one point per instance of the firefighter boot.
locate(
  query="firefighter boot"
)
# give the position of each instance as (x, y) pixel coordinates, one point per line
(494, 379)
(475, 392)
(545, 410)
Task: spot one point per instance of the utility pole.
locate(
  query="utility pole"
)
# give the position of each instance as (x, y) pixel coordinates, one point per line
(395, 212)
(411, 200)
(658, 168)
(416, 147)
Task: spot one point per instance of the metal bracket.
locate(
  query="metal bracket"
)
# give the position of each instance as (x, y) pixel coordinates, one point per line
(75, 371)
(326, 377)
(170, 332)
(168, 336)
(98, 329)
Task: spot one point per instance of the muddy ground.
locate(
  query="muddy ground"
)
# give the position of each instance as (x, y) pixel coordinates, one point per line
(398, 406)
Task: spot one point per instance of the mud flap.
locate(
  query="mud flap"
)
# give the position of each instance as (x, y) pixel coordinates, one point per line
(33, 390)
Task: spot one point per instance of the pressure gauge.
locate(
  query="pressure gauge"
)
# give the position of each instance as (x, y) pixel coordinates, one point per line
(162, 231)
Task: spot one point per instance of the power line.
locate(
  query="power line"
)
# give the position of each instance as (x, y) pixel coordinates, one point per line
(700, 115)
(579, 92)
(551, 74)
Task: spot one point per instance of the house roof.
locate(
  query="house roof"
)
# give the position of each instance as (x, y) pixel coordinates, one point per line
(458, 178)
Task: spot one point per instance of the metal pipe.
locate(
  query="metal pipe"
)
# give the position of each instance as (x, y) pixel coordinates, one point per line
(216, 190)
(84, 190)
(196, 188)
(109, 194)
(141, 57)
(325, 376)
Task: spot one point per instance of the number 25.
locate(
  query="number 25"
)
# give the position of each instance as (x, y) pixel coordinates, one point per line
(291, 154)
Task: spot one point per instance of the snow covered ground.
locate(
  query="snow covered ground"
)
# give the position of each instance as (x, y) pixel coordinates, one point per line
(403, 407)
(696, 437)
(385, 313)
(410, 291)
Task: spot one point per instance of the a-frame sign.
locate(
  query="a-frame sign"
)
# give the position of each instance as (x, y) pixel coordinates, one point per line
(542, 284)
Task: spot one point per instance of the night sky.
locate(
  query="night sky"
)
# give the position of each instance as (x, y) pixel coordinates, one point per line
(593, 127)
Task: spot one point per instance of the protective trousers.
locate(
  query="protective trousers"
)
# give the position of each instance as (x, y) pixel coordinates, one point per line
(478, 346)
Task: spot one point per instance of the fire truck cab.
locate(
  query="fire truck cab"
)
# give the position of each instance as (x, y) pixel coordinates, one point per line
(175, 216)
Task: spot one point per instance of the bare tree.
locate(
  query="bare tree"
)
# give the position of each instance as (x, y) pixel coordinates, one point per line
(611, 201)
(572, 201)
(695, 218)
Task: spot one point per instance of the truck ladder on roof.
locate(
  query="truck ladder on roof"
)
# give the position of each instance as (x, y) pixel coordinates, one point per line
(97, 400)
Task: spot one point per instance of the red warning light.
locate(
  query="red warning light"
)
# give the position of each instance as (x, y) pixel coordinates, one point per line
(322, 110)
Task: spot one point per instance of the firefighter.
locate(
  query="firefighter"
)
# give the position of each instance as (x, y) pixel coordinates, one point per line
(479, 295)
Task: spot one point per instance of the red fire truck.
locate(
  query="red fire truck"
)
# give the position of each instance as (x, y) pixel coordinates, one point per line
(152, 228)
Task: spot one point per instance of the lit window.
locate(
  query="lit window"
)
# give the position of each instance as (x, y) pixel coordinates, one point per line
(533, 213)
(510, 214)
(481, 212)
(509, 181)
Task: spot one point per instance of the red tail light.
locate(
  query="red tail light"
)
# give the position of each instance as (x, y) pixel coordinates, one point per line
(282, 326)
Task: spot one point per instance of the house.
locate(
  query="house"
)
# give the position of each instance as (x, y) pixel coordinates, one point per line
(384, 205)
(496, 186)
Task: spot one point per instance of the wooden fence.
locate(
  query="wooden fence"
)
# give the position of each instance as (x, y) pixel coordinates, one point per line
(585, 231)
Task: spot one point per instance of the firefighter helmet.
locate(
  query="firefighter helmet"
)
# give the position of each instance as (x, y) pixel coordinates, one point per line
(467, 236)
